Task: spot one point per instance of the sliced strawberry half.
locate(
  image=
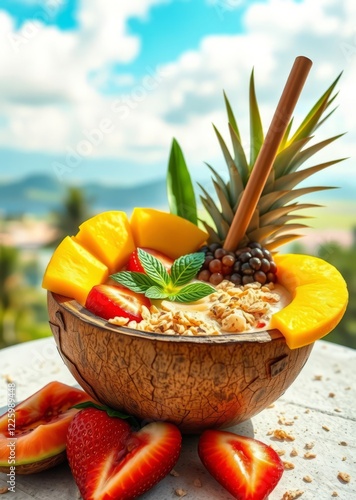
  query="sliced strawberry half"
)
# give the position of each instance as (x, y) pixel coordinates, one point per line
(134, 263)
(247, 468)
(109, 461)
(108, 301)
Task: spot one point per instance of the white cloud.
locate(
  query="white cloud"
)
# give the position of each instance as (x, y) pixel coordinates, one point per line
(49, 99)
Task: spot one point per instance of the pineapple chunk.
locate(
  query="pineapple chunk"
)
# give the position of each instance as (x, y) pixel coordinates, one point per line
(168, 233)
(108, 237)
(73, 271)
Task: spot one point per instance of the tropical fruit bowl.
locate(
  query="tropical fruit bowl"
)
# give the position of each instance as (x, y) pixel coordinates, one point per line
(125, 295)
(195, 382)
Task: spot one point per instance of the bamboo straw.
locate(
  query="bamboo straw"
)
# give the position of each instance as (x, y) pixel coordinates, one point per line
(268, 151)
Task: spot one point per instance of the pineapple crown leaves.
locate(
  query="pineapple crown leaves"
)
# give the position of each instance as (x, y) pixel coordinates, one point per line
(274, 214)
(180, 191)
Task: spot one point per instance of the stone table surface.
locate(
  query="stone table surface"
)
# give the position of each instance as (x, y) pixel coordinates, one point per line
(318, 410)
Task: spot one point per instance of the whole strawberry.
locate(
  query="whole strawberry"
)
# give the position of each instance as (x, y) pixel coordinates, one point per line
(110, 461)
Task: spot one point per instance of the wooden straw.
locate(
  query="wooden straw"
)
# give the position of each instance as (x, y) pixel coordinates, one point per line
(268, 151)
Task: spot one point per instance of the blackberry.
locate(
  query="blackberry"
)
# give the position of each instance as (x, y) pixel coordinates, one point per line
(246, 265)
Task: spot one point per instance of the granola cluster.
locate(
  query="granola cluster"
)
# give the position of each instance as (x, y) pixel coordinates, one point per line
(242, 308)
(230, 309)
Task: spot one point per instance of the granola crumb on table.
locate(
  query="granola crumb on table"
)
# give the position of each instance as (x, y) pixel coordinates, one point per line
(292, 495)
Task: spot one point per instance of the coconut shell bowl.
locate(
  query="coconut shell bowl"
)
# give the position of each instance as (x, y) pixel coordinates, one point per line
(194, 382)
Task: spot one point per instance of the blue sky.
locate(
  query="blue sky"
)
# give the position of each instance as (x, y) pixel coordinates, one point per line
(94, 90)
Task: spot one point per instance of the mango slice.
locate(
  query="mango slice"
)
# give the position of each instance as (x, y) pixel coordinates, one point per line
(73, 271)
(108, 237)
(319, 301)
(168, 233)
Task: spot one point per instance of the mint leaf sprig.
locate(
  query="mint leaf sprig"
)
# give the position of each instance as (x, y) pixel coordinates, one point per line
(157, 283)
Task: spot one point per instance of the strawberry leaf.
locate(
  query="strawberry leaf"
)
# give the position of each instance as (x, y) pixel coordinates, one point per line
(137, 282)
(186, 267)
(110, 411)
(153, 268)
(192, 292)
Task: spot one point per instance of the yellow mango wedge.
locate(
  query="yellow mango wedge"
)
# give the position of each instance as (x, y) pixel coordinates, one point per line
(108, 237)
(73, 271)
(168, 233)
(319, 300)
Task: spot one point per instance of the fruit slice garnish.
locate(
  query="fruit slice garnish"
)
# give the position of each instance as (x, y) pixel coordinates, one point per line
(109, 301)
(135, 265)
(165, 232)
(108, 237)
(73, 271)
(247, 468)
(109, 460)
(319, 298)
(38, 436)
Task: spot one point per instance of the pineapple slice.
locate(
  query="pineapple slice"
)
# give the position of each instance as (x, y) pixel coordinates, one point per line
(319, 299)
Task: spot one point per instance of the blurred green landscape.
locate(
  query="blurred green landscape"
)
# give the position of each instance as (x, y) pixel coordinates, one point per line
(23, 310)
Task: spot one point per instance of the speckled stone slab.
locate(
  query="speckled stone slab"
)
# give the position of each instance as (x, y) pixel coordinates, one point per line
(318, 412)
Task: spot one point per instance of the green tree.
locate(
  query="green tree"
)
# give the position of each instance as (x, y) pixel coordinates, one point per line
(344, 259)
(10, 283)
(23, 309)
(74, 211)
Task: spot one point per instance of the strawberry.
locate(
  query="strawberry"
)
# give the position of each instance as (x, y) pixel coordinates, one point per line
(108, 301)
(110, 461)
(134, 263)
(247, 468)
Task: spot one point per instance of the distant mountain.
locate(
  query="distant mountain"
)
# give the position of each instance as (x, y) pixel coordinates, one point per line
(42, 194)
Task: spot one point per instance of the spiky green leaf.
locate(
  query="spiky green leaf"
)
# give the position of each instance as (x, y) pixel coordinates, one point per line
(256, 129)
(282, 240)
(279, 213)
(263, 233)
(180, 191)
(231, 117)
(214, 213)
(236, 184)
(281, 164)
(286, 135)
(268, 200)
(212, 232)
(310, 122)
(293, 179)
(304, 155)
(220, 181)
(297, 193)
(240, 157)
(224, 203)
